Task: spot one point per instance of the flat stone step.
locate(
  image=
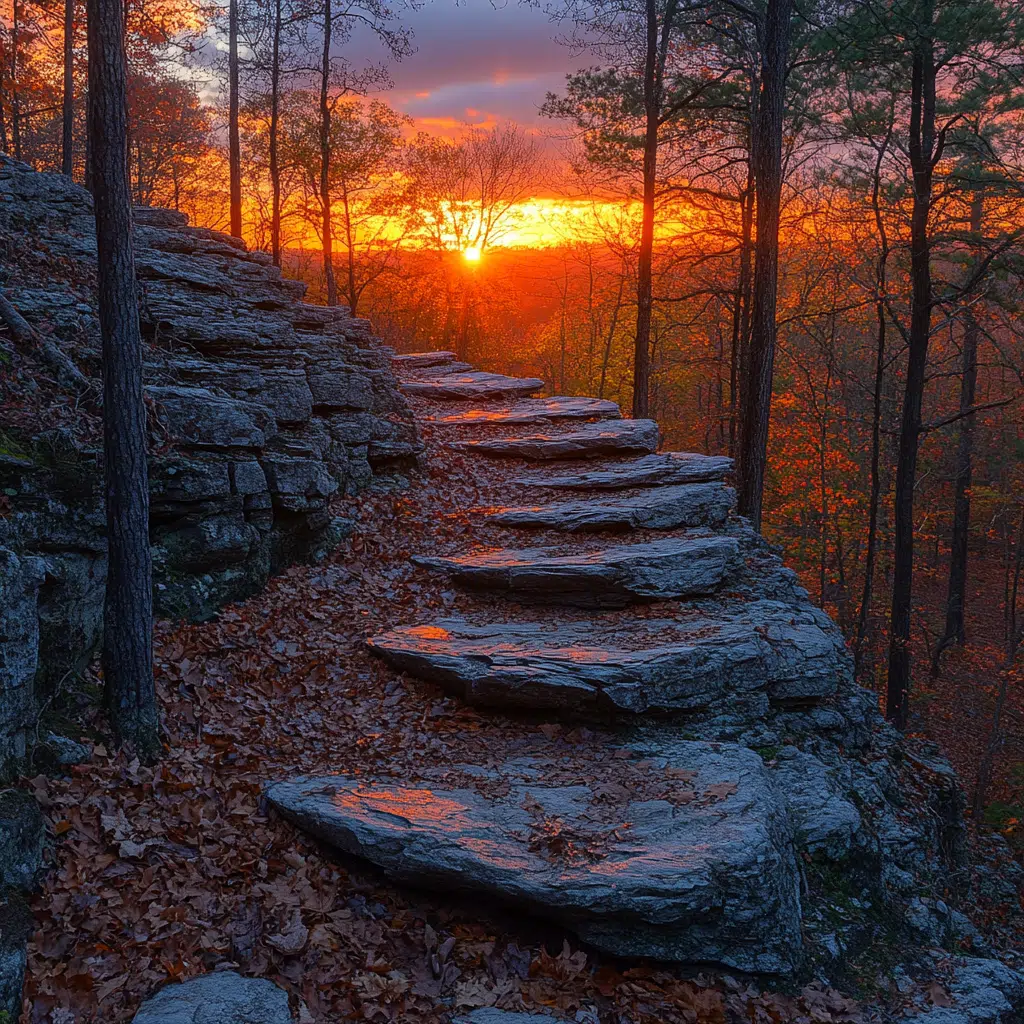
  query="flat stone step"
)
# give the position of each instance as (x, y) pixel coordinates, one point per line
(662, 508)
(683, 855)
(422, 360)
(661, 469)
(473, 384)
(588, 441)
(609, 578)
(765, 652)
(534, 410)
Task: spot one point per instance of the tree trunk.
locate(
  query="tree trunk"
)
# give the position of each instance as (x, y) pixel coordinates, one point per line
(741, 310)
(325, 161)
(921, 146)
(275, 169)
(645, 260)
(15, 98)
(234, 142)
(767, 155)
(881, 285)
(128, 612)
(350, 252)
(611, 334)
(956, 594)
(67, 156)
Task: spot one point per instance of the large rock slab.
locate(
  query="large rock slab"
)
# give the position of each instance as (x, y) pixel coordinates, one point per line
(422, 360)
(662, 508)
(474, 384)
(662, 469)
(534, 410)
(684, 856)
(646, 665)
(588, 441)
(219, 998)
(609, 578)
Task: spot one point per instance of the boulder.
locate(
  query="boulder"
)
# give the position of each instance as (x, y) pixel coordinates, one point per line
(647, 665)
(659, 470)
(533, 410)
(661, 508)
(686, 857)
(474, 384)
(219, 998)
(588, 441)
(611, 577)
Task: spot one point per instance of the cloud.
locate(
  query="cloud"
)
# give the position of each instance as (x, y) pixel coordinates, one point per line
(495, 59)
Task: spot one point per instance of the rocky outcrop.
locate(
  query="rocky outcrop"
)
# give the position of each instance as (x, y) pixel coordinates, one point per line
(763, 652)
(590, 441)
(659, 470)
(684, 858)
(662, 508)
(532, 410)
(263, 408)
(610, 577)
(476, 384)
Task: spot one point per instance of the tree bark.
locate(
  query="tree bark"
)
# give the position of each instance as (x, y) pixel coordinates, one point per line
(67, 156)
(275, 169)
(921, 147)
(15, 98)
(325, 161)
(128, 611)
(234, 142)
(881, 286)
(954, 632)
(645, 260)
(767, 155)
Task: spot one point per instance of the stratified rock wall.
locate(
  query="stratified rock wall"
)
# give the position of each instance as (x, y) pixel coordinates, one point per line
(262, 409)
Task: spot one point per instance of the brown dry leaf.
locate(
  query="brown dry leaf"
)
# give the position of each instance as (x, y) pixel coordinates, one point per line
(937, 995)
(720, 790)
(292, 939)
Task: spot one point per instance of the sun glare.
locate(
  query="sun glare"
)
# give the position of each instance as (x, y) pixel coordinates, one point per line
(472, 254)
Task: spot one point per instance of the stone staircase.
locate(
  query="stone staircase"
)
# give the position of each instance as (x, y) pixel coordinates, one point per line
(735, 743)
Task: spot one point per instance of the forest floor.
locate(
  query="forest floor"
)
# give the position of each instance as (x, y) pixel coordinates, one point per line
(170, 871)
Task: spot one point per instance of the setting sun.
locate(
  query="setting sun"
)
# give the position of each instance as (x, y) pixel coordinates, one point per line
(472, 254)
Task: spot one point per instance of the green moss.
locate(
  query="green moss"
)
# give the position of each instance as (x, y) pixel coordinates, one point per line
(768, 753)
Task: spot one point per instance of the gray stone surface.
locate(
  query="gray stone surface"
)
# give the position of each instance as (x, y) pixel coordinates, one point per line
(661, 508)
(21, 839)
(660, 665)
(421, 360)
(588, 441)
(470, 385)
(533, 410)
(824, 821)
(20, 579)
(982, 992)
(199, 418)
(219, 998)
(703, 871)
(659, 470)
(610, 577)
